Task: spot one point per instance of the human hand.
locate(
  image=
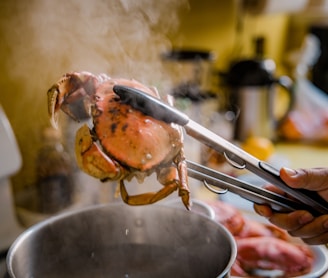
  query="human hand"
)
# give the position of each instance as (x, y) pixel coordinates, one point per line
(301, 223)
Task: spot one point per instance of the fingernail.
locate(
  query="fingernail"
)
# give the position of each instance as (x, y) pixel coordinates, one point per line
(290, 172)
(306, 218)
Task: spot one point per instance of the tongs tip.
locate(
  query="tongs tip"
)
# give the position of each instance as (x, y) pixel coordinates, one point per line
(150, 105)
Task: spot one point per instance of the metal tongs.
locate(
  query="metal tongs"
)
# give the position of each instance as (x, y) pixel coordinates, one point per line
(302, 199)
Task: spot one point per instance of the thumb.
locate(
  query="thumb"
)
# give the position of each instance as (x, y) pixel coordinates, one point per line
(315, 179)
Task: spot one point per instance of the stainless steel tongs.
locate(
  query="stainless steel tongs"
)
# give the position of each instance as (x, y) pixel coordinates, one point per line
(302, 199)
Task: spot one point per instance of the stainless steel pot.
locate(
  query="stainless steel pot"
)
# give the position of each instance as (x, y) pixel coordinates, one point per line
(122, 241)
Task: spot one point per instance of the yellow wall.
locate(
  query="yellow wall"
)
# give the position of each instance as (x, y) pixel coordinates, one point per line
(222, 27)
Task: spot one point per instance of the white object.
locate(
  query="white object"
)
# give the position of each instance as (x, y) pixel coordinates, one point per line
(10, 157)
(10, 163)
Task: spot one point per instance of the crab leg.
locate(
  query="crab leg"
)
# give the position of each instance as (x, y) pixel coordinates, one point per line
(169, 177)
(146, 198)
(183, 182)
(52, 109)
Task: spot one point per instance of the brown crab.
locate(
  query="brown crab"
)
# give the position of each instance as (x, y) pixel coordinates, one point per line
(123, 142)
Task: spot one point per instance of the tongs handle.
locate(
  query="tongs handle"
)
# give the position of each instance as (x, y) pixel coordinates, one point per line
(258, 195)
(157, 109)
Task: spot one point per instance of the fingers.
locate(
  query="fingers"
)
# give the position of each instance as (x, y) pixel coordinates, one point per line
(315, 232)
(317, 240)
(299, 224)
(291, 221)
(313, 179)
(264, 211)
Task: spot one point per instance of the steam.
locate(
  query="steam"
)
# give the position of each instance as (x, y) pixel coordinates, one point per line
(43, 39)
(119, 37)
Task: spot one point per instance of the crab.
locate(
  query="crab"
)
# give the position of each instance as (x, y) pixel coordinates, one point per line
(123, 143)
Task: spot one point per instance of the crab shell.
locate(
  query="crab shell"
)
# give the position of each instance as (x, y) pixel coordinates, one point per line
(134, 139)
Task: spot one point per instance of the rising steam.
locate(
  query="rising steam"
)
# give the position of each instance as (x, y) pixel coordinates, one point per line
(118, 37)
(43, 39)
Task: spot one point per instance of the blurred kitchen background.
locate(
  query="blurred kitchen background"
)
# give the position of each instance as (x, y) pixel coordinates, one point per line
(207, 53)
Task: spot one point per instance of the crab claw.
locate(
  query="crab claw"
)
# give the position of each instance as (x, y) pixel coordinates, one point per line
(72, 94)
(52, 110)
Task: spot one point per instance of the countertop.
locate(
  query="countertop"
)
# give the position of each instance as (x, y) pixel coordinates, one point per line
(303, 155)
